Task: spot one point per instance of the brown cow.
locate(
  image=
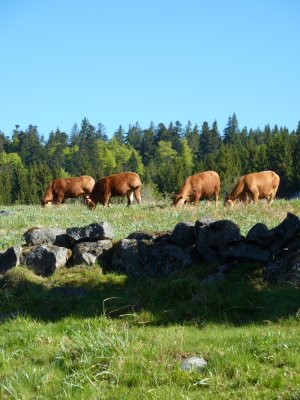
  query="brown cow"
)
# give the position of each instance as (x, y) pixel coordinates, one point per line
(258, 185)
(68, 188)
(202, 185)
(126, 183)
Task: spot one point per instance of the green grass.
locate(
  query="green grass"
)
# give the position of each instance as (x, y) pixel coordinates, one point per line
(80, 334)
(151, 217)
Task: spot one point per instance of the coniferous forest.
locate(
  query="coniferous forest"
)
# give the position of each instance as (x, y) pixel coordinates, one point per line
(162, 155)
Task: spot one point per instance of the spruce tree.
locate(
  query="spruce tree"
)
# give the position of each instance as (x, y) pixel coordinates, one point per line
(119, 135)
(296, 158)
(5, 184)
(193, 138)
(134, 137)
(20, 185)
(231, 132)
(148, 144)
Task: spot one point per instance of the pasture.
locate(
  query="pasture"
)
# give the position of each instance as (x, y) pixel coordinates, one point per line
(79, 334)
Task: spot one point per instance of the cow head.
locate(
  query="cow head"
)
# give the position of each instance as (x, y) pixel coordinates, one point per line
(90, 203)
(178, 200)
(228, 202)
(46, 203)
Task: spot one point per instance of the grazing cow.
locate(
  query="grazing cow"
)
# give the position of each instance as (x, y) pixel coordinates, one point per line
(258, 185)
(202, 185)
(68, 188)
(126, 183)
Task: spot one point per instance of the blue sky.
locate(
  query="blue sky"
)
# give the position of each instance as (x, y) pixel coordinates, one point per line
(119, 62)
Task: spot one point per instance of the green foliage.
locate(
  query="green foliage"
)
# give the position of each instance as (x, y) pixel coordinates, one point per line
(5, 183)
(163, 155)
(229, 166)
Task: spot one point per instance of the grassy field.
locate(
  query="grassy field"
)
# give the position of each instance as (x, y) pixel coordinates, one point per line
(80, 334)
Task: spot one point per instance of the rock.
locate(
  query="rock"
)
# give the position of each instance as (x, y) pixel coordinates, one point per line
(245, 252)
(212, 237)
(285, 232)
(294, 244)
(39, 236)
(89, 253)
(260, 235)
(203, 222)
(166, 258)
(162, 237)
(284, 269)
(92, 232)
(45, 259)
(10, 258)
(141, 236)
(150, 258)
(184, 234)
(5, 212)
(193, 363)
(125, 258)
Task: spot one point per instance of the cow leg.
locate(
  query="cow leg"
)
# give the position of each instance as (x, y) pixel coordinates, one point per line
(246, 199)
(106, 201)
(58, 200)
(207, 200)
(271, 197)
(129, 198)
(255, 196)
(216, 197)
(137, 195)
(197, 200)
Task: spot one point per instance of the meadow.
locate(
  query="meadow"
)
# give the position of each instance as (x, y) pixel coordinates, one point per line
(82, 334)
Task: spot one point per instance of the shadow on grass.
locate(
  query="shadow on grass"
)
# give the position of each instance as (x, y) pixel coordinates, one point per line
(240, 298)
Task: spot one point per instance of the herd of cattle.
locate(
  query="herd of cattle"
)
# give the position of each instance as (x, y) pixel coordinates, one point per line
(250, 187)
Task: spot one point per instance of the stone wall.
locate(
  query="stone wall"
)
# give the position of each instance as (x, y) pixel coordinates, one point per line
(145, 254)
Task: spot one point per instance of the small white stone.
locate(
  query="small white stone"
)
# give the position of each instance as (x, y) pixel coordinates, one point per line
(193, 363)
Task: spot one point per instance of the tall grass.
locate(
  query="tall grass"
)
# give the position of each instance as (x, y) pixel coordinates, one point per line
(80, 334)
(150, 217)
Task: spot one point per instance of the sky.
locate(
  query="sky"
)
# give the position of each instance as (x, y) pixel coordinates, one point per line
(119, 62)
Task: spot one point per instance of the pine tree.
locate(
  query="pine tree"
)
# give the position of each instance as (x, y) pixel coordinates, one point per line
(30, 146)
(88, 162)
(296, 158)
(134, 163)
(4, 143)
(281, 159)
(34, 192)
(231, 132)
(176, 135)
(5, 184)
(148, 144)
(54, 149)
(193, 138)
(205, 141)
(119, 135)
(20, 185)
(229, 167)
(216, 140)
(134, 137)
(101, 133)
(44, 177)
(162, 134)
(74, 139)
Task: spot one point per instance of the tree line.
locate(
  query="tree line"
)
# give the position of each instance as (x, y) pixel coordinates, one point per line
(162, 155)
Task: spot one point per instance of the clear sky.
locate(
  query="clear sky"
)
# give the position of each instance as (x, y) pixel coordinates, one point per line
(119, 62)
